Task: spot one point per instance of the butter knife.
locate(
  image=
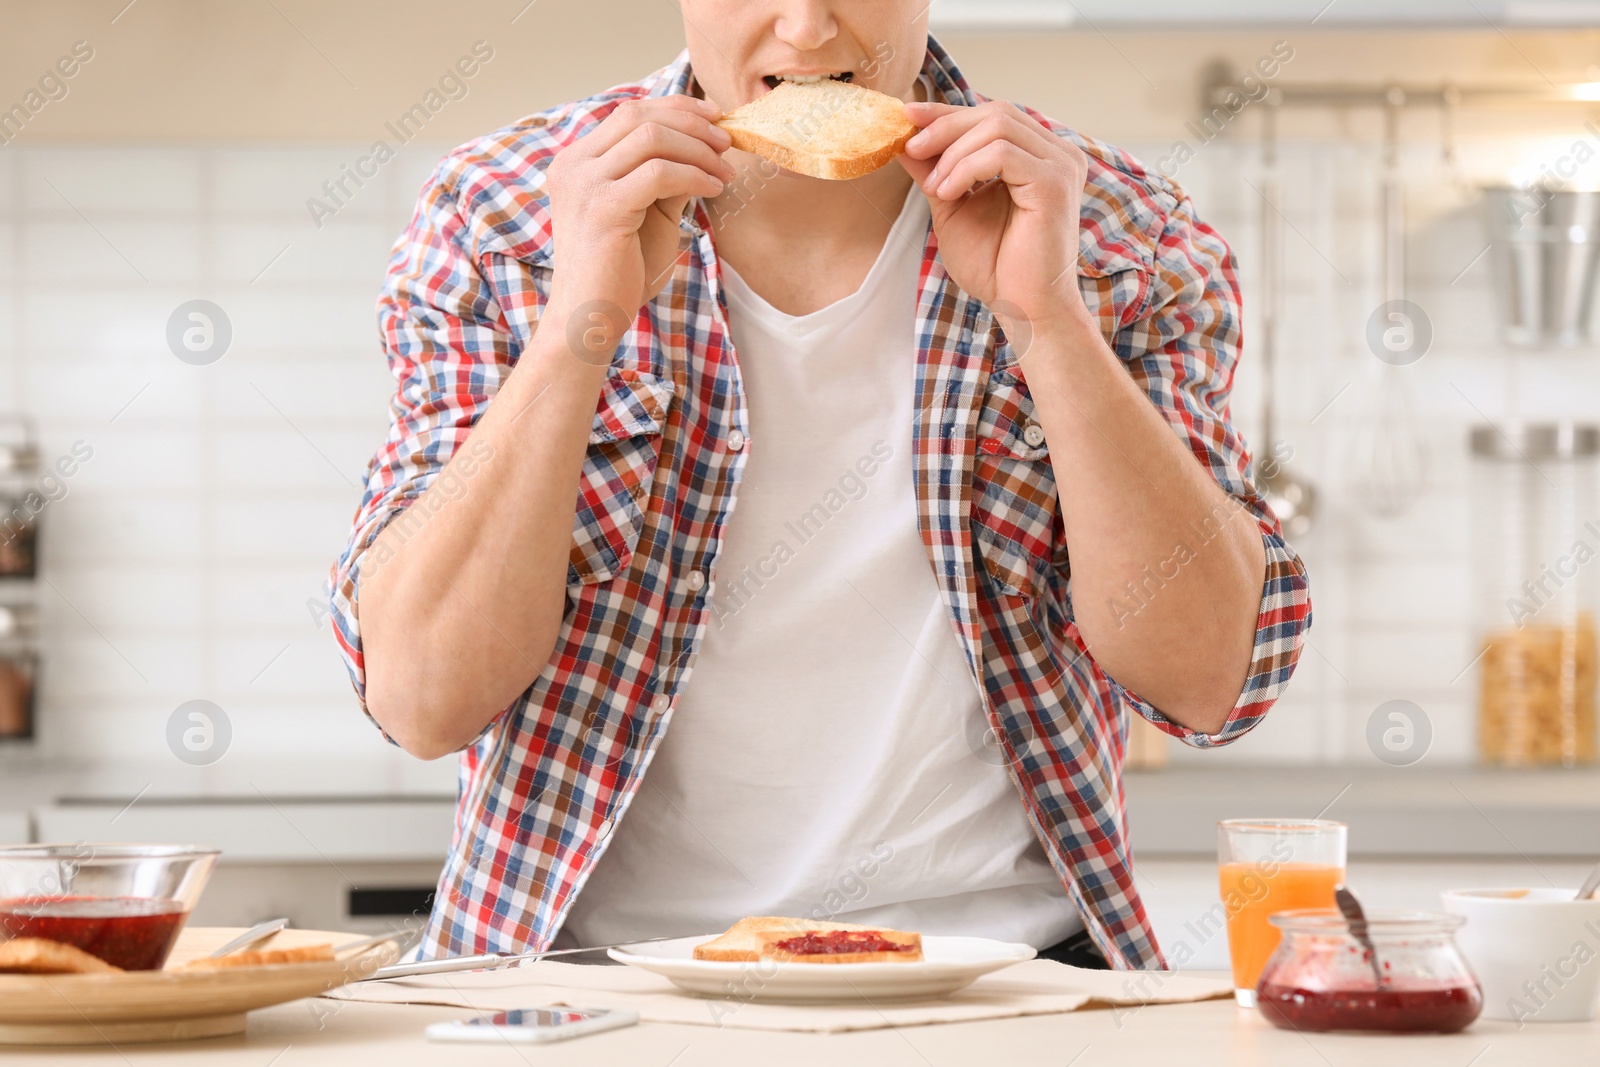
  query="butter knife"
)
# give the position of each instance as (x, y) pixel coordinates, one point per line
(259, 932)
(491, 961)
(1590, 884)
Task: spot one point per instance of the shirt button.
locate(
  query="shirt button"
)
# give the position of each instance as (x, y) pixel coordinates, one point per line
(1033, 433)
(736, 441)
(696, 580)
(661, 703)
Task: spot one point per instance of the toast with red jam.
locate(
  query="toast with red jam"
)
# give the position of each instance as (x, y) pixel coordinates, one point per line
(787, 940)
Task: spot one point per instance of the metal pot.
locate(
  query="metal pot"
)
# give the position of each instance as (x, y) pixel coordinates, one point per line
(1546, 247)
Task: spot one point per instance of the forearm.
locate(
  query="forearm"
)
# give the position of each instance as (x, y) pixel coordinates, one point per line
(462, 596)
(1167, 569)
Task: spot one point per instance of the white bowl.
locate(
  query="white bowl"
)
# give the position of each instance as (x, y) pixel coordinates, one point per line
(1536, 952)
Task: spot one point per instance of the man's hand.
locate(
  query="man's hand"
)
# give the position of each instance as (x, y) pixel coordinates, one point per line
(1005, 194)
(618, 192)
(1135, 487)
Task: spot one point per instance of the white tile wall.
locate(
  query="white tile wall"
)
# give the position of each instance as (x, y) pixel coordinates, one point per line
(1393, 595)
(181, 562)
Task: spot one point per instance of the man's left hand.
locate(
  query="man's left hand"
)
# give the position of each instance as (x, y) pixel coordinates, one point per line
(1005, 194)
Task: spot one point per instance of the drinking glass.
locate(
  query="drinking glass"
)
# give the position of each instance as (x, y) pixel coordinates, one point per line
(1266, 866)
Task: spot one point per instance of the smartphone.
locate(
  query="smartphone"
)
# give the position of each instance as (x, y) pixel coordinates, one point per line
(532, 1025)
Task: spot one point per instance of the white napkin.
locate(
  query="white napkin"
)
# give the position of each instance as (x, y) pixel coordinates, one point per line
(1037, 987)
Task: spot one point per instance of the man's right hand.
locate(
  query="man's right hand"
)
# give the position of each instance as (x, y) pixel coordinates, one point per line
(480, 579)
(618, 192)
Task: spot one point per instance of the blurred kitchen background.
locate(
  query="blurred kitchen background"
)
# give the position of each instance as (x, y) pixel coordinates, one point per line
(167, 669)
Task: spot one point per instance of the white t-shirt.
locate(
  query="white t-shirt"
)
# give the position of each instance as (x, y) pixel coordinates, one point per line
(825, 758)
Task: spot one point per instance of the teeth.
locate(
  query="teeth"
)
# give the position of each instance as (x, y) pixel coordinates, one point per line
(806, 79)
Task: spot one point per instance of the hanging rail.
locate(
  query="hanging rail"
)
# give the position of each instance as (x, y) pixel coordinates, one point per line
(1219, 81)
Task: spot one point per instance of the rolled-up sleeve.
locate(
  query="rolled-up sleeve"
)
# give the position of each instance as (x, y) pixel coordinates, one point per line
(1184, 353)
(449, 348)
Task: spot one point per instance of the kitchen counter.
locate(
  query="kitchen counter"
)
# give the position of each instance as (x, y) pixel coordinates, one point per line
(1414, 812)
(388, 775)
(307, 1034)
(385, 809)
(347, 845)
(265, 809)
(1174, 810)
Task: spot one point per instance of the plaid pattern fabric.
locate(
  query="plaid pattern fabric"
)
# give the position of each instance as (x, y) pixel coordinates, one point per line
(543, 787)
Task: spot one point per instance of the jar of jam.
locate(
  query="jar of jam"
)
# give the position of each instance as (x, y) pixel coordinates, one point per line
(1407, 977)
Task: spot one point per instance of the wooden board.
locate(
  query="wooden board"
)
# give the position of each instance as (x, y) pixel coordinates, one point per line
(173, 1004)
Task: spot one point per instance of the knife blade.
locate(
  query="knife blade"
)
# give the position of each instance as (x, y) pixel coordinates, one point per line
(259, 932)
(490, 961)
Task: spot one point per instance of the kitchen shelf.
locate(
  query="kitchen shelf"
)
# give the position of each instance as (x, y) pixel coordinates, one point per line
(1243, 14)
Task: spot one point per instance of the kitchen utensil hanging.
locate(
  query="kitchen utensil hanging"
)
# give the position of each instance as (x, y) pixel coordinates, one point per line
(1546, 262)
(1292, 499)
(19, 466)
(1390, 460)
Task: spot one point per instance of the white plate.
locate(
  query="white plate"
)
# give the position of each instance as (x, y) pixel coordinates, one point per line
(948, 964)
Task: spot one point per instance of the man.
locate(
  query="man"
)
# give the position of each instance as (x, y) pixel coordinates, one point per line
(724, 523)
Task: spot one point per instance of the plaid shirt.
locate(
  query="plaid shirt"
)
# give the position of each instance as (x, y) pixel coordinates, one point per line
(543, 786)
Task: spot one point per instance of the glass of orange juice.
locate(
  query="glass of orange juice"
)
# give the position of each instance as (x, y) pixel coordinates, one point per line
(1268, 866)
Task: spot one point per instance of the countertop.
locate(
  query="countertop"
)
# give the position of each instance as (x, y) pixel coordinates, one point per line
(1423, 811)
(1420, 812)
(306, 1034)
(389, 776)
(387, 809)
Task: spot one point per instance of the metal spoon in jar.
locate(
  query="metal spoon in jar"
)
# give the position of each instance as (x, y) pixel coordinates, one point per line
(1350, 907)
(1590, 884)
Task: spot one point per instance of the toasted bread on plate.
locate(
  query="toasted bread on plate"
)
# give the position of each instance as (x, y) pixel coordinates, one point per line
(827, 129)
(262, 957)
(36, 955)
(769, 937)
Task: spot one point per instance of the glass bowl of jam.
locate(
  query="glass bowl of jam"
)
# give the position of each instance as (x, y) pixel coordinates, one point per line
(125, 904)
(1407, 977)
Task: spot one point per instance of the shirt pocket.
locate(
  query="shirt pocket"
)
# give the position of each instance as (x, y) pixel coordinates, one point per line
(618, 472)
(1015, 523)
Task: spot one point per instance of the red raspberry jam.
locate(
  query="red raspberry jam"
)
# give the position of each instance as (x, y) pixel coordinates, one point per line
(134, 933)
(835, 942)
(1433, 1011)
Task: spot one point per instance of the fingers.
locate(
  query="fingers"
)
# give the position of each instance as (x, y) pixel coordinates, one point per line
(992, 120)
(978, 139)
(997, 159)
(682, 113)
(921, 114)
(653, 140)
(663, 179)
(658, 149)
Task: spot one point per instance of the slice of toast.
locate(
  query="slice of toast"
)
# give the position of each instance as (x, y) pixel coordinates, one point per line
(760, 937)
(827, 129)
(36, 955)
(262, 957)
